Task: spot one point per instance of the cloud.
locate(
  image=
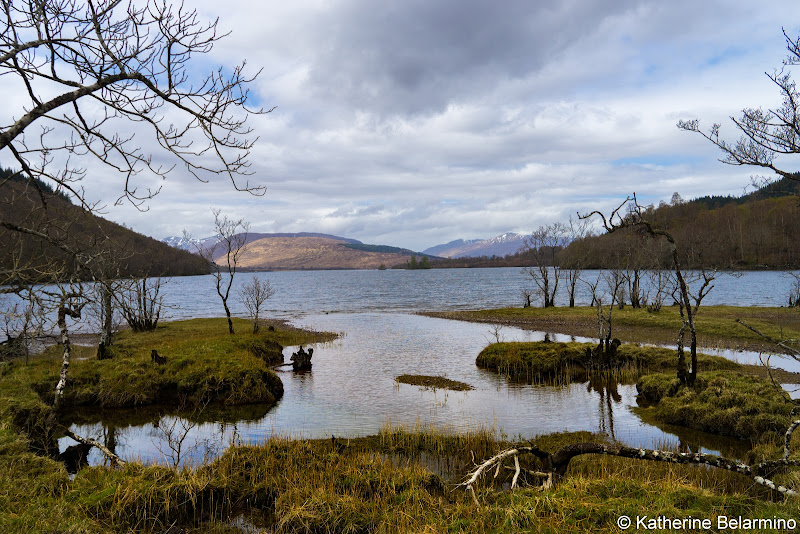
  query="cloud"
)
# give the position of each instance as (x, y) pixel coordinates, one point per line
(417, 123)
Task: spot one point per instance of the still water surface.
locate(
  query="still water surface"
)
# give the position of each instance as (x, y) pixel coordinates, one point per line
(352, 391)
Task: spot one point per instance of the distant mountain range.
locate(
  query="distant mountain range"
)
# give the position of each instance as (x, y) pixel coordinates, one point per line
(502, 245)
(308, 250)
(193, 244)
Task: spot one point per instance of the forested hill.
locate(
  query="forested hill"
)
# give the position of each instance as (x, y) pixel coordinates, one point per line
(755, 231)
(106, 246)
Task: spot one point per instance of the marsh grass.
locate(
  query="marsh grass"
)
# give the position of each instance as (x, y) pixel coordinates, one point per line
(558, 363)
(373, 484)
(722, 402)
(433, 382)
(203, 363)
(355, 485)
(716, 325)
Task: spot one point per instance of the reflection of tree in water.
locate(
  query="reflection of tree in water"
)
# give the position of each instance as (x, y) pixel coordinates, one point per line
(609, 394)
(686, 439)
(110, 440)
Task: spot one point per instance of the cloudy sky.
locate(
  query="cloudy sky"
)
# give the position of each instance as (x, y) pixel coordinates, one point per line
(418, 122)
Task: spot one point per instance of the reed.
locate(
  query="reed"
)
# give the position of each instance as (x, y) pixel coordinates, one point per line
(286, 485)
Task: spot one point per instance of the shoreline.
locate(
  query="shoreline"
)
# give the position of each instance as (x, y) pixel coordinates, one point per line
(713, 330)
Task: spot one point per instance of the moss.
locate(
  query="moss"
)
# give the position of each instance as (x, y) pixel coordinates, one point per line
(722, 402)
(203, 362)
(433, 382)
(547, 360)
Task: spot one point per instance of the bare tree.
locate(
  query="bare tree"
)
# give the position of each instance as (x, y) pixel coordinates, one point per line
(140, 302)
(765, 135)
(794, 291)
(659, 282)
(94, 74)
(634, 218)
(232, 236)
(614, 279)
(69, 300)
(526, 295)
(254, 295)
(93, 69)
(575, 257)
(543, 245)
(23, 321)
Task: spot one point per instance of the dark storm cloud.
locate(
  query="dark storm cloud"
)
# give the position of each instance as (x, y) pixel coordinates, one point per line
(418, 56)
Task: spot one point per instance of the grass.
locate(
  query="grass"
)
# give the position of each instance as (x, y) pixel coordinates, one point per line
(721, 402)
(374, 484)
(204, 364)
(400, 480)
(716, 325)
(433, 382)
(538, 361)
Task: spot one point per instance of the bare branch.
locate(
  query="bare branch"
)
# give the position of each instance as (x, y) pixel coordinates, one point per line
(556, 463)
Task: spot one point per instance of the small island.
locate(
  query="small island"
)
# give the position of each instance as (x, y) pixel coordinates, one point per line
(433, 382)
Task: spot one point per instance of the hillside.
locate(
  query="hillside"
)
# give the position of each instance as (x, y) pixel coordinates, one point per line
(193, 244)
(311, 253)
(760, 230)
(106, 246)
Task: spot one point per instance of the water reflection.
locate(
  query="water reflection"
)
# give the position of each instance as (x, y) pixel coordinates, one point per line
(608, 392)
(352, 391)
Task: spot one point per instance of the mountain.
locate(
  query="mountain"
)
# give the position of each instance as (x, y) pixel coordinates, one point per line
(502, 245)
(759, 230)
(302, 251)
(189, 243)
(309, 252)
(193, 245)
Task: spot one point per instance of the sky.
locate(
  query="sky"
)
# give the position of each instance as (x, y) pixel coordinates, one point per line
(419, 122)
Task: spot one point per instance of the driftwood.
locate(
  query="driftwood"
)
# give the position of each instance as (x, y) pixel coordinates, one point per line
(554, 465)
(301, 360)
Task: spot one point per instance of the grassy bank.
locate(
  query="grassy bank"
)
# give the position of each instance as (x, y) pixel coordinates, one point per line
(716, 325)
(728, 398)
(538, 361)
(397, 481)
(724, 402)
(378, 484)
(204, 364)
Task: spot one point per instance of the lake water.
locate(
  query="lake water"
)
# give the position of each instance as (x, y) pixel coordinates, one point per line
(352, 391)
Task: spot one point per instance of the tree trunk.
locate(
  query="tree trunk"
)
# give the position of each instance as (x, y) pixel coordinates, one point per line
(682, 372)
(107, 315)
(63, 311)
(228, 315)
(65, 358)
(693, 352)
